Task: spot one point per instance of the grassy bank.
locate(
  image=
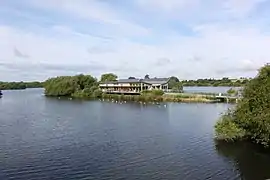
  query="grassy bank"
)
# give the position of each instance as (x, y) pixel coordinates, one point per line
(161, 98)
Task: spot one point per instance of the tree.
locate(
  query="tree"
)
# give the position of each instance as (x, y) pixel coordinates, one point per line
(175, 79)
(131, 77)
(76, 86)
(251, 117)
(108, 77)
(175, 84)
(146, 76)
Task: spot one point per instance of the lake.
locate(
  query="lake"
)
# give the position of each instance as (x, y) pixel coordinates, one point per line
(45, 138)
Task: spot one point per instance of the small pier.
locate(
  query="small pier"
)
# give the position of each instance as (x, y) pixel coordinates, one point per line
(226, 98)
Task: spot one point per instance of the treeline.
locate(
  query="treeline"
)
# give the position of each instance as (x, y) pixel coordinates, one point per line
(216, 82)
(19, 85)
(250, 119)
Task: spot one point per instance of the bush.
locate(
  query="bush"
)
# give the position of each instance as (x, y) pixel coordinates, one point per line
(227, 130)
(97, 93)
(79, 86)
(252, 113)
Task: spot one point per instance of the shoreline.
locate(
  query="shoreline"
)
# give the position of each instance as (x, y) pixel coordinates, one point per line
(180, 98)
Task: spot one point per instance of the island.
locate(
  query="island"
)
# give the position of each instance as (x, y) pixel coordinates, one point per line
(131, 89)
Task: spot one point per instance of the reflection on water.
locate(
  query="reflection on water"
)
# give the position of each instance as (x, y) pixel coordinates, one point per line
(251, 161)
(47, 138)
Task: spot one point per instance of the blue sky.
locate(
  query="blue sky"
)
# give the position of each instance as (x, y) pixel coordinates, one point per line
(185, 38)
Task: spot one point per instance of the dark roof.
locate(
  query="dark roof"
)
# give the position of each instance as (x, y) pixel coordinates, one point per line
(148, 81)
(129, 80)
(156, 80)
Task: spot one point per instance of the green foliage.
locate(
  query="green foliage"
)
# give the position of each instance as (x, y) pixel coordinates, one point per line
(216, 82)
(175, 85)
(252, 113)
(108, 77)
(19, 85)
(232, 92)
(12, 85)
(97, 93)
(80, 86)
(226, 129)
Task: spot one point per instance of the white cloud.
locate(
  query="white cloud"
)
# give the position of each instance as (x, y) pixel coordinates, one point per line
(93, 10)
(168, 5)
(241, 8)
(231, 51)
(214, 49)
(193, 11)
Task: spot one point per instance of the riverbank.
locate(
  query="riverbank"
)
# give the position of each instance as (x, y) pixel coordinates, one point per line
(162, 98)
(148, 98)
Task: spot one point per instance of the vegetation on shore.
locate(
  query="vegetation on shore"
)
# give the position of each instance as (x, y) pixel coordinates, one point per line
(250, 119)
(20, 85)
(217, 82)
(159, 96)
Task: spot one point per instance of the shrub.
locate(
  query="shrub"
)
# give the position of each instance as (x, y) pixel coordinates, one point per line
(228, 130)
(68, 85)
(252, 113)
(97, 93)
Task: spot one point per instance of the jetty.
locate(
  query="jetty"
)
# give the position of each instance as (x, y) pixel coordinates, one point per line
(213, 97)
(227, 98)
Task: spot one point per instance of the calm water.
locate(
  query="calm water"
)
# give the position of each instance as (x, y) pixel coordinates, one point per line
(44, 138)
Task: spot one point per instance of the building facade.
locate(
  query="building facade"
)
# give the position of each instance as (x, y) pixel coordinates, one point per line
(134, 85)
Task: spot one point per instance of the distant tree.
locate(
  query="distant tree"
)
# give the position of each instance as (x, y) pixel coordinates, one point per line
(173, 78)
(146, 76)
(131, 77)
(175, 84)
(108, 77)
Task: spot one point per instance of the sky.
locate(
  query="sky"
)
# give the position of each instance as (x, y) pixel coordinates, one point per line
(189, 39)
